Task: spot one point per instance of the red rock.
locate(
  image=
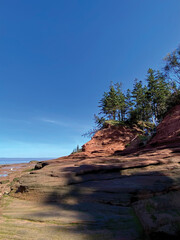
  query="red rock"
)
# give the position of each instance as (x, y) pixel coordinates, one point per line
(168, 131)
(93, 184)
(108, 140)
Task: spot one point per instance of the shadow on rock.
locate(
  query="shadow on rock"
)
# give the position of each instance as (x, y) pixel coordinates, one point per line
(108, 205)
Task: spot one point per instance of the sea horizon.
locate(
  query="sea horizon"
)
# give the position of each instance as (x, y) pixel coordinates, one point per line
(21, 160)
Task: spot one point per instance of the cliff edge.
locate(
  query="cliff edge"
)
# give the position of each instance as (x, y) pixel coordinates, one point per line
(168, 131)
(110, 139)
(100, 196)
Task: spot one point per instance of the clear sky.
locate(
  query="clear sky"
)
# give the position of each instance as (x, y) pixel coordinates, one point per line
(57, 57)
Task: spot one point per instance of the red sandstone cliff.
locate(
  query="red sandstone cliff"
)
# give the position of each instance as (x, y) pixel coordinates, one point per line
(168, 131)
(108, 192)
(109, 140)
(115, 138)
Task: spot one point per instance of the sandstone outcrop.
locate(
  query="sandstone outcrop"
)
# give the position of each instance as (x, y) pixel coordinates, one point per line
(117, 197)
(110, 139)
(98, 195)
(168, 131)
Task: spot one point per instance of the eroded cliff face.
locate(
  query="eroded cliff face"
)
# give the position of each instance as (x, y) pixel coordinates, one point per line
(130, 197)
(109, 140)
(168, 131)
(115, 138)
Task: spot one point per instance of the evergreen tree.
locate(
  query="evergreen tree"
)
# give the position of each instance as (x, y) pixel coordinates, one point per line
(141, 105)
(129, 103)
(152, 93)
(104, 104)
(113, 101)
(164, 91)
(121, 104)
(172, 67)
(108, 103)
(158, 92)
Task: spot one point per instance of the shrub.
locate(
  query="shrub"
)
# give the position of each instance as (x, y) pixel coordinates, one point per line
(77, 149)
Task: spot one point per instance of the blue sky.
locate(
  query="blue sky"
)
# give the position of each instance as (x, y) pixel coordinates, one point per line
(58, 57)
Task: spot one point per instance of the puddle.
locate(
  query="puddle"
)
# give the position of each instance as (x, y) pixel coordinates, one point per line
(3, 175)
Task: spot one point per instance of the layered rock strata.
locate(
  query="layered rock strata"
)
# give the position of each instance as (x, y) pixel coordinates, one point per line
(99, 195)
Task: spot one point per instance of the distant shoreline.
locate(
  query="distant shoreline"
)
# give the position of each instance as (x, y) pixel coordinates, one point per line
(4, 161)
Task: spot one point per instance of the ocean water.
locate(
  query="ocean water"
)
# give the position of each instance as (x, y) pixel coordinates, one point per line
(20, 160)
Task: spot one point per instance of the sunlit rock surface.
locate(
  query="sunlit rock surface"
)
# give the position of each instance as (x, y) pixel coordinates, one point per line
(114, 197)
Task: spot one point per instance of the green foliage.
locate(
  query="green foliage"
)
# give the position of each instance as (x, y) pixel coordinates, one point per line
(145, 125)
(29, 170)
(143, 140)
(16, 179)
(120, 103)
(141, 109)
(173, 100)
(77, 150)
(128, 104)
(158, 92)
(113, 123)
(99, 121)
(4, 181)
(108, 103)
(172, 66)
(146, 104)
(112, 104)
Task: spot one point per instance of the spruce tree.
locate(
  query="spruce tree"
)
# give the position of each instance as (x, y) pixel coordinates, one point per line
(129, 103)
(113, 101)
(141, 105)
(109, 102)
(152, 93)
(103, 104)
(121, 104)
(158, 92)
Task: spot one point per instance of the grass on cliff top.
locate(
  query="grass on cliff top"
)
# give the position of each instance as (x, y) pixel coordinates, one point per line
(114, 123)
(139, 124)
